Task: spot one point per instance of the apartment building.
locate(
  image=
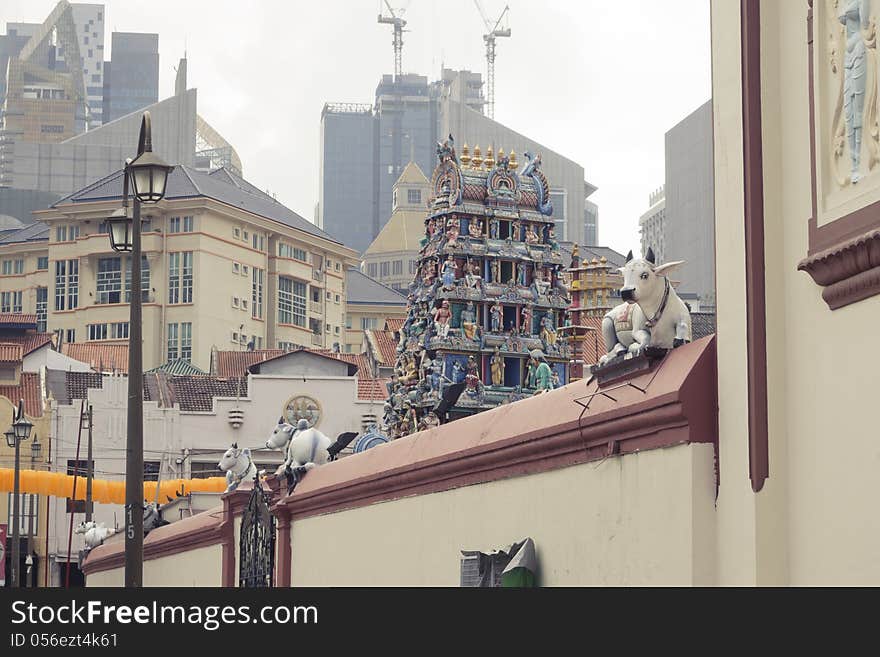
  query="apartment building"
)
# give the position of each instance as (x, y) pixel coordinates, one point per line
(224, 265)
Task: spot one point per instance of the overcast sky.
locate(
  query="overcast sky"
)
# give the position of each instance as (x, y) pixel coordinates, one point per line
(599, 82)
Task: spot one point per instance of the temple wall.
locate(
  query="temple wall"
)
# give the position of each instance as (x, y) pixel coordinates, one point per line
(641, 519)
(198, 567)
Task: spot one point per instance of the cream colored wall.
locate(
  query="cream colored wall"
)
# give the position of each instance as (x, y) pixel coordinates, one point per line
(640, 519)
(199, 567)
(814, 522)
(357, 312)
(32, 278)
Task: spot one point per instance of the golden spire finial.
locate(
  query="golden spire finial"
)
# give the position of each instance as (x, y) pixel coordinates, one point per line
(512, 160)
(477, 160)
(465, 155)
(490, 158)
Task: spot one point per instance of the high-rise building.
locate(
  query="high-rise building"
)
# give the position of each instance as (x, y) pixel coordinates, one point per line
(591, 217)
(364, 150)
(690, 203)
(652, 225)
(89, 21)
(132, 81)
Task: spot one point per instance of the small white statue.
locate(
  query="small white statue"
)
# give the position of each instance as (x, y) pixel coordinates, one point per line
(238, 466)
(659, 318)
(304, 447)
(95, 534)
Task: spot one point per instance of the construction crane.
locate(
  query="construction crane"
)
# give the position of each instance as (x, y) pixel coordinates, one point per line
(493, 30)
(397, 21)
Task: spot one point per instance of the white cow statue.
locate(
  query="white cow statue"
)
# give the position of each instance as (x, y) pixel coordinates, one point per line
(238, 466)
(95, 534)
(652, 314)
(304, 447)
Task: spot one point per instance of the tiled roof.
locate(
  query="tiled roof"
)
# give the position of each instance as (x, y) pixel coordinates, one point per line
(323, 353)
(702, 324)
(77, 385)
(361, 360)
(373, 389)
(236, 363)
(28, 389)
(29, 342)
(187, 182)
(10, 352)
(36, 232)
(8, 320)
(196, 393)
(394, 323)
(384, 346)
(101, 356)
(360, 288)
(178, 366)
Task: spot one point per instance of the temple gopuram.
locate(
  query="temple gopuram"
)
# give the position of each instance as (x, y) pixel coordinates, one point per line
(486, 297)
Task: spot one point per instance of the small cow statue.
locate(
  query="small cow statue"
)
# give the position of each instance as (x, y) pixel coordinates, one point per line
(304, 448)
(153, 517)
(652, 314)
(238, 466)
(95, 534)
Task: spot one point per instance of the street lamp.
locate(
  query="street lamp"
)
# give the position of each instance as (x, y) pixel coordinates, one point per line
(148, 175)
(19, 431)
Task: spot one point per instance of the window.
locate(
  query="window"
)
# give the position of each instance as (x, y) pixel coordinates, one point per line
(174, 225)
(329, 295)
(385, 269)
(66, 284)
(145, 279)
(70, 335)
(19, 266)
(414, 195)
(245, 235)
(235, 302)
(287, 346)
(180, 341)
(317, 262)
(80, 469)
(413, 266)
(180, 277)
(66, 233)
(368, 323)
(336, 330)
(7, 267)
(7, 300)
(188, 224)
(236, 268)
(43, 262)
(336, 299)
(42, 307)
(245, 270)
(327, 328)
(109, 280)
(287, 251)
(257, 293)
(372, 270)
(204, 470)
(236, 233)
(316, 295)
(336, 264)
(244, 304)
(348, 321)
(112, 331)
(28, 514)
(291, 301)
(397, 267)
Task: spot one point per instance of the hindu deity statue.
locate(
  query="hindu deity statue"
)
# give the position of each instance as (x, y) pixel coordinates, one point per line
(448, 274)
(472, 276)
(497, 366)
(472, 378)
(442, 316)
(493, 229)
(531, 235)
(497, 314)
(548, 332)
(475, 228)
(469, 321)
(496, 271)
(515, 230)
(525, 320)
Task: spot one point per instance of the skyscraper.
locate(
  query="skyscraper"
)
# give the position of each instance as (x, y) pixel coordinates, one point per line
(131, 80)
(364, 150)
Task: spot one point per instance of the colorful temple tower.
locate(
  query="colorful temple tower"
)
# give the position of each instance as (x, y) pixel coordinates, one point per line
(487, 295)
(591, 284)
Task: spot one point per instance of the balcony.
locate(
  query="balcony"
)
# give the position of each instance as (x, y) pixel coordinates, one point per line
(316, 307)
(317, 275)
(317, 340)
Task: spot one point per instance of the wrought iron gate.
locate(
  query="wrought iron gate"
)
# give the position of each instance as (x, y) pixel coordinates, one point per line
(256, 547)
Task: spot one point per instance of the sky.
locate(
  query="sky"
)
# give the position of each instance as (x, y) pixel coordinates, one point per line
(598, 82)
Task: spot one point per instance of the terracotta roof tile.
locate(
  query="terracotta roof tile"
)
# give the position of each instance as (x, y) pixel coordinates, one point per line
(29, 390)
(102, 356)
(79, 383)
(10, 352)
(17, 319)
(235, 363)
(385, 346)
(29, 342)
(394, 323)
(373, 389)
(197, 393)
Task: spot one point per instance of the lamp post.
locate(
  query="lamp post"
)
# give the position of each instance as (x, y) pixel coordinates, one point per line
(148, 175)
(19, 431)
(36, 449)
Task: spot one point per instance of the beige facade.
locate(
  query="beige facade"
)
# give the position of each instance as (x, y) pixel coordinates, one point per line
(218, 276)
(392, 256)
(814, 522)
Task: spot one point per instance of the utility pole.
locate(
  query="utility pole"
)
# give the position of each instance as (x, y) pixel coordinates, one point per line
(90, 472)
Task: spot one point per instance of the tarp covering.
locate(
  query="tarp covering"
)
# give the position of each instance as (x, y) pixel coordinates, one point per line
(59, 484)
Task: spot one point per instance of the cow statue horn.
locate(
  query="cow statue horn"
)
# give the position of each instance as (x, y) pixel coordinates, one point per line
(629, 256)
(650, 256)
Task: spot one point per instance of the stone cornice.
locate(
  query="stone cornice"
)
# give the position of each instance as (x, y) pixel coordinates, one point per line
(848, 272)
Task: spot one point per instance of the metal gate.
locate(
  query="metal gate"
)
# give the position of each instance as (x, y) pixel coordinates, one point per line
(256, 547)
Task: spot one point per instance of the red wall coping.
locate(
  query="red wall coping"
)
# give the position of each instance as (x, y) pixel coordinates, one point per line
(549, 431)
